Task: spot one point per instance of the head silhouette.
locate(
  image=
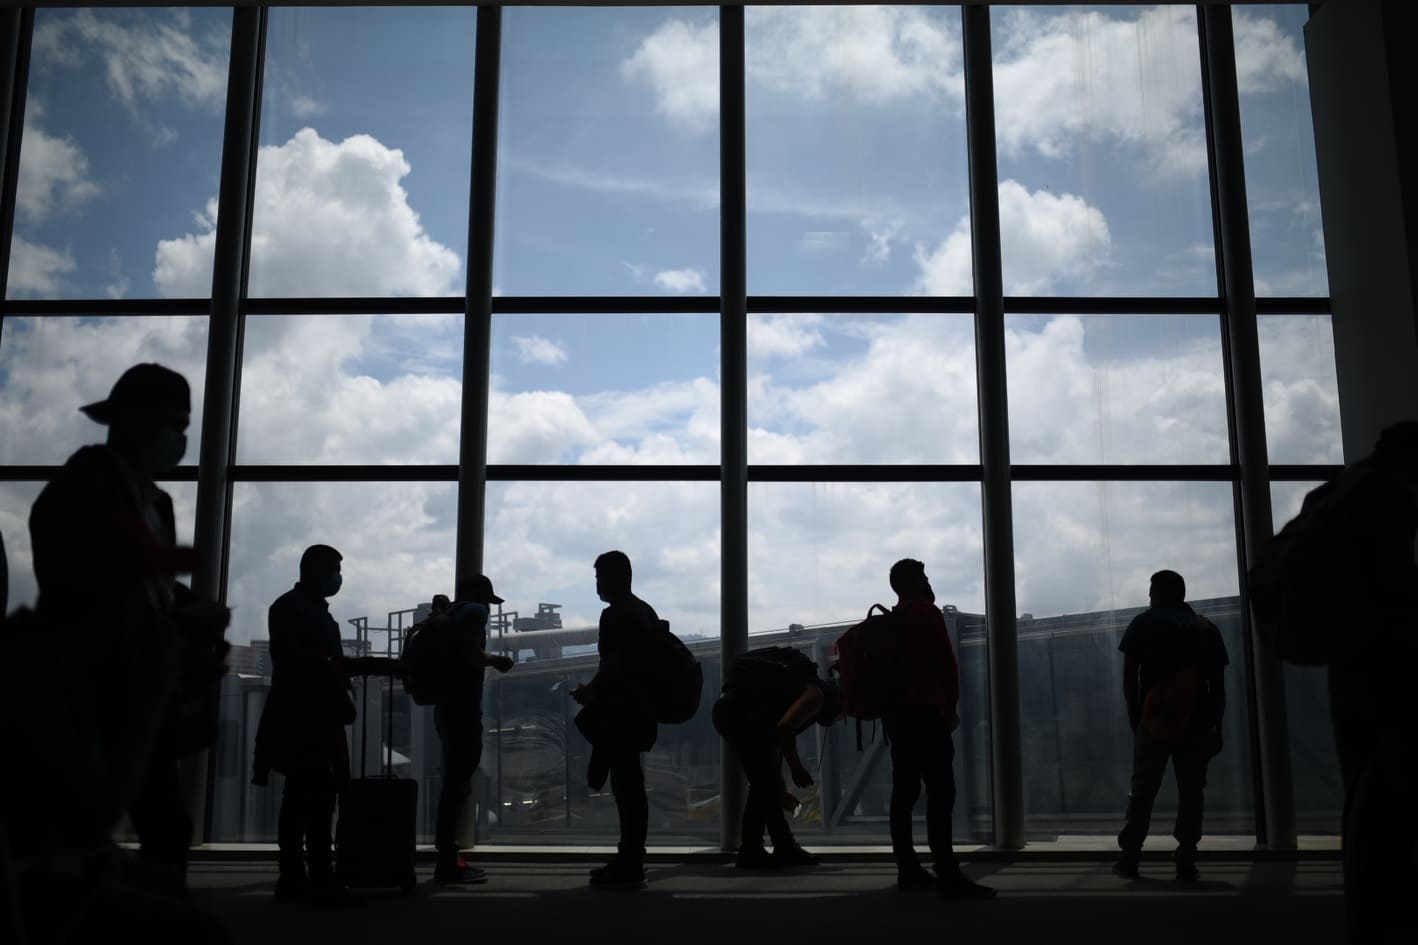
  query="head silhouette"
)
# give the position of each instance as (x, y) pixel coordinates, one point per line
(476, 588)
(1168, 588)
(147, 413)
(613, 575)
(320, 569)
(908, 579)
(1398, 447)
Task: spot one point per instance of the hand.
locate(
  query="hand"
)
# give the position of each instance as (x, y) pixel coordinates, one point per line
(502, 663)
(801, 776)
(790, 802)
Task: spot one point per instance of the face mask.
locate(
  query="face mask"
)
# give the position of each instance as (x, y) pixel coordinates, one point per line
(163, 455)
(332, 585)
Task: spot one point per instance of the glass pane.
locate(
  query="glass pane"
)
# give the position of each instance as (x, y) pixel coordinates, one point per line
(1314, 761)
(1103, 184)
(1282, 184)
(542, 541)
(397, 540)
(351, 389)
(861, 389)
(1116, 389)
(50, 367)
(595, 389)
(1301, 389)
(819, 555)
(120, 152)
(15, 501)
(857, 177)
(608, 163)
(366, 139)
(1084, 554)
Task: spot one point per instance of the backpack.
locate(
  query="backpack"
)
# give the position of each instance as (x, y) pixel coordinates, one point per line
(1302, 573)
(1168, 708)
(866, 662)
(771, 670)
(676, 680)
(428, 659)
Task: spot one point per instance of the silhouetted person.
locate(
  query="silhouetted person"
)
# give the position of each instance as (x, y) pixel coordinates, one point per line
(105, 559)
(458, 718)
(771, 696)
(302, 729)
(1173, 660)
(619, 714)
(918, 727)
(1370, 687)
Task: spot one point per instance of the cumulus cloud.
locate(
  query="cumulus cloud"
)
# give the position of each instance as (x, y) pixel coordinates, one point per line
(54, 172)
(681, 280)
(331, 219)
(145, 57)
(783, 336)
(1267, 59)
(303, 106)
(37, 270)
(680, 61)
(1046, 239)
(534, 349)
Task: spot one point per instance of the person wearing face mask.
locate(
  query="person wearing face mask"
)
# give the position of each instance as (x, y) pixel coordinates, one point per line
(106, 560)
(302, 729)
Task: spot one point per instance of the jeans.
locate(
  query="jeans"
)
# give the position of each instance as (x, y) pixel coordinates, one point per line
(303, 827)
(1149, 763)
(460, 736)
(762, 760)
(922, 752)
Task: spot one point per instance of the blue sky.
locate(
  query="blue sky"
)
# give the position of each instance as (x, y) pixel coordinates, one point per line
(608, 185)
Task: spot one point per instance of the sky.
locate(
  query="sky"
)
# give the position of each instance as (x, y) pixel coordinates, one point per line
(608, 156)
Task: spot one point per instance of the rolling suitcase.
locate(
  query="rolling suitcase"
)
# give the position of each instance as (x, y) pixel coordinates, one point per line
(375, 832)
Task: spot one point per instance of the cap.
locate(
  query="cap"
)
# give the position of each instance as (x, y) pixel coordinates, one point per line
(143, 388)
(478, 589)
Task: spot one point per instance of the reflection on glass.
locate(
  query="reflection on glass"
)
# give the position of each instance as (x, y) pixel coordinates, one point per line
(1282, 183)
(596, 389)
(608, 152)
(366, 136)
(1116, 389)
(1102, 152)
(861, 389)
(855, 130)
(1084, 554)
(50, 367)
(1319, 786)
(120, 151)
(819, 555)
(1300, 389)
(377, 389)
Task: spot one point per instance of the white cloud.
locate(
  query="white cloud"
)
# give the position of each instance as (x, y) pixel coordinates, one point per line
(534, 349)
(680, 60)
(303, 106)
(783, 336)
(1045, 239)
(54, 172)
(1266, 58)
(145, 58)
(881, 235)
(681, 280)
(331, 219)
(37, 270)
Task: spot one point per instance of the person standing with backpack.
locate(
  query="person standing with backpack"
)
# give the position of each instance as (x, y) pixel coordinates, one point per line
(1173, 660)
(919, 720)
(457, 714)
(772, 695)
(619, 715)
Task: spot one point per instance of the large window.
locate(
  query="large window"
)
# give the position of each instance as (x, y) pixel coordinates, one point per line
(606, 376)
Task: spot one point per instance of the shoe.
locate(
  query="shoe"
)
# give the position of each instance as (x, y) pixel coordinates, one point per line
(292, 889)
(1187, 871)
(960, 886)
(618, 874)
(791, 854)
(460, 873)
(914, 880)
(1126, 868)
(756, 858)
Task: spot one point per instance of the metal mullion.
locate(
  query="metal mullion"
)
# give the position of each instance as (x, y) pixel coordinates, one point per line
(1129, 305)
(1119, 473)
(1007, 773)
(1294, 306)
(604, 305)
(16, 32)
(1298, 472)
(864, 473)
(859, 305)
(43, 473)
(1274, 790)
(108, 308)
(450, 305)
(615, 473)
(296, 472)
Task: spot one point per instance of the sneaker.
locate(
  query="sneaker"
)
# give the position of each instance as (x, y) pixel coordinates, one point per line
(1126, 868)
(1187, 871)
(756, 858)
(791, 854)
(460, 873)
(914, 879)
(960, 886)
(618, 874)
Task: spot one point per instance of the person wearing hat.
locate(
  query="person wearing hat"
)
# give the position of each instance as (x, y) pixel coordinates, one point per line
(106, 560)
(458, 718)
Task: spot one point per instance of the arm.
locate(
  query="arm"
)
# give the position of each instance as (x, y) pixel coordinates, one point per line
(1130, 694)
(804, 709)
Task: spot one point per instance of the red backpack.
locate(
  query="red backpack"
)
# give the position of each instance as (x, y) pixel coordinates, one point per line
(866, 662)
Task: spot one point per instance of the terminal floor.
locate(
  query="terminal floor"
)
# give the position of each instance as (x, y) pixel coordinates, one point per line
(1041, 902)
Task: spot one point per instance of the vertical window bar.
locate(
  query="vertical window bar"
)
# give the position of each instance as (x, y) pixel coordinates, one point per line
(1241, 353)
(1007, 777)
(16, 29)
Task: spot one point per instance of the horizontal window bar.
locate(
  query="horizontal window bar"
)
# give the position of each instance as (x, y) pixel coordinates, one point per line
(1149, 473)
(1134, 305)
(864, 473)
(70, 308)
(444, 305)
(854, 305)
